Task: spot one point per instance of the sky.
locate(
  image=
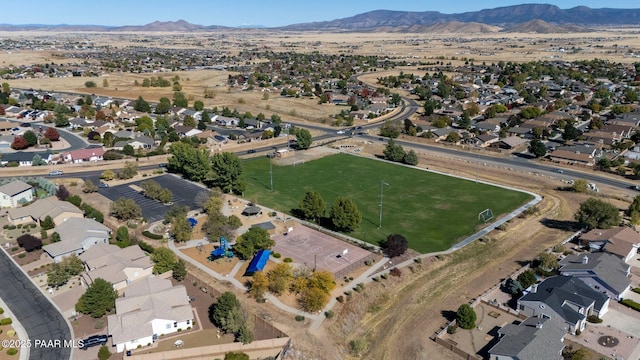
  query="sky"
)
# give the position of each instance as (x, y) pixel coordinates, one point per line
(270, 13)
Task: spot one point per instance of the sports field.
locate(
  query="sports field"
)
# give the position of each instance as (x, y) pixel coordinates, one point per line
(432, 211)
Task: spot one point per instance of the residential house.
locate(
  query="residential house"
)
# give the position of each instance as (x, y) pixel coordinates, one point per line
(90, 154)
(511, 143)
(149, 308)
(14, 193)
(533, 339)
(5, 143)
(571, 157)
(77, 235)
(59, 211)
(486, 140)
(566, 299)
(225, 121)
(621, 241)
(604, 272)
(487, 126)
(119, 266)
(23, 158)
(141, 142)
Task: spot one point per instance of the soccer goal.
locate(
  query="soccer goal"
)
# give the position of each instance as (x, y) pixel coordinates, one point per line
(485, 215)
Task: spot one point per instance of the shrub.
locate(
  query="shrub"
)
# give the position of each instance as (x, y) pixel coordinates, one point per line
(299, 318)
(21, 256)
(6, 321)
(451, 329)
(11, 227)
(11, 333)
(594, 319)
(151, 235)
(5, 226)
(12, 351)
(395, 272)
(99, 325)
(384, 276)
(631, 304)
(277, 255)
(340, 299)
(287, 260)
(636, 290)
(329, 314)
(1, 310)
(146, 247)
(417, 260)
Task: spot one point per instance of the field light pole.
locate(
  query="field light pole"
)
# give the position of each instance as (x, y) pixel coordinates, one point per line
(382, 184)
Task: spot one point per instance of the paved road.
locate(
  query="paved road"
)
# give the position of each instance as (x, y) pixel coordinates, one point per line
(36, 313)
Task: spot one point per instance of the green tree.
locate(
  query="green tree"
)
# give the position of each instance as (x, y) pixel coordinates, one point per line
(179, 270)
(580, 186)
(163, 259)
(430, 106)
(466, 317)
(48, 223)
(104, 353)
(304, 138)
(56, 276)
(390, 130)
(125, 209)
(547, 261)
(252, 241)
(345, 214)
(527, 278)
(194, 164)
(453, 137)
(180, 100)
(634, 210)
(198, 105)
(89, 187)
(226, 171)
(90, 84)
(55, 237)
(31, 137)
(163, 106)
(411, 158)
(180, 229)
(130, 170)
(594, 213)
(122, 234)
(393, 152)
(537, 148)
(312, 206)
(108, 175)
(570, 133)
(141, 105)
(99, 298)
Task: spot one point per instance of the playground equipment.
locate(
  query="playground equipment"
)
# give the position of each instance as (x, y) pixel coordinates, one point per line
(222, 251)
(192, 222)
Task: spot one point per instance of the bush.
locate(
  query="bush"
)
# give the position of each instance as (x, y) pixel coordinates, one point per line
(594, 319)
(287, 260)
(29, 242)
(636, 290)
(146, 247)
(340, 299)
(395, 272)
(12, 351)
(631, 304)
(299, 318)
(151, 235)
(1, 310)
(451, 329)
(21, 256)
(277, 255)
(6, 321)
(104, 353)
(329, 314)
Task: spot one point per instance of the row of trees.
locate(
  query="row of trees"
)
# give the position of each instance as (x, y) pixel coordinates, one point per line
(344, 213)
(154, 191)
(396, 153)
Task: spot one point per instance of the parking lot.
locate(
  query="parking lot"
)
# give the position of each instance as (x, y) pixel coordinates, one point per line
(184, 193)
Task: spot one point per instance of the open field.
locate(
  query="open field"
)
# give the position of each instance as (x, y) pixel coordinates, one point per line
(433, 211)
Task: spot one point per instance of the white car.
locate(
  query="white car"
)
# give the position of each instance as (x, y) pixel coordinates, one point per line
(340, 132)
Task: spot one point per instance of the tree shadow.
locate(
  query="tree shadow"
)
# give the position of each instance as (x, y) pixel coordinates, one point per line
(449, 315)
(560, 224)
(522, 262)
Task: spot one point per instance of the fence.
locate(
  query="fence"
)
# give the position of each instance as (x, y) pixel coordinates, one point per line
(260, 348)
(354, 266)
(452, 346)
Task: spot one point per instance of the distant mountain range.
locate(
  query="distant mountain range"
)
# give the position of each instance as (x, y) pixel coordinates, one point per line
(542, 18)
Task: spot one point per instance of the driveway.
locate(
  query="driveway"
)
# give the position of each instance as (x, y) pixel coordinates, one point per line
(184, 193)
(38, 316)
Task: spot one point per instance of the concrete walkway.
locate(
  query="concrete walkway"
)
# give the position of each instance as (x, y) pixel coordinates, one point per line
(17, 326)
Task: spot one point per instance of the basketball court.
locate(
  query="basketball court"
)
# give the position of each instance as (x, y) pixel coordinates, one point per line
(320, 251)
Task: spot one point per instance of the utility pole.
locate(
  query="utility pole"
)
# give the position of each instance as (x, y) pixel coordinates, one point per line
(382, 184)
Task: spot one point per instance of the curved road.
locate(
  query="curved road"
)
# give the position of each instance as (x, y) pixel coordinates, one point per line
(46, 327)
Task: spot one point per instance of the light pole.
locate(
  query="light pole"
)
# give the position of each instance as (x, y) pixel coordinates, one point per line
(271, 173)
(382, 184)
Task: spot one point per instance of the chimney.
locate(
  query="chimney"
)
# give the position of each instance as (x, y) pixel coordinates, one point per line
(585, 259)
(534, 288)
(539, 325)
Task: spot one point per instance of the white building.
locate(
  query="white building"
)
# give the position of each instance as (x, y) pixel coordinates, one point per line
(15, 193)
(150, 308)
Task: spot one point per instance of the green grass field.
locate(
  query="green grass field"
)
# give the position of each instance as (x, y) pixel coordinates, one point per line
(432, 211)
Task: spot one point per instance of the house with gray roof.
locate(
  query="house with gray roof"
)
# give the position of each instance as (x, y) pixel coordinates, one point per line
(119, 266)
(564, 298)
(603, 272)
(77, 235)
(533, 339)
(149, 308)
(23, 158)
(15, 193)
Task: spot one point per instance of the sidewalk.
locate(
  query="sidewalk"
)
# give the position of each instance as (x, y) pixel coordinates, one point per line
(17, 326)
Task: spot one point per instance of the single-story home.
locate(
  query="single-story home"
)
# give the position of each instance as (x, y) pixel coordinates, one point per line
(119, 266)
(14, 193)
(77, 235)
(150, 308)
(83, 155)
(534, 338)
(60, 211)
